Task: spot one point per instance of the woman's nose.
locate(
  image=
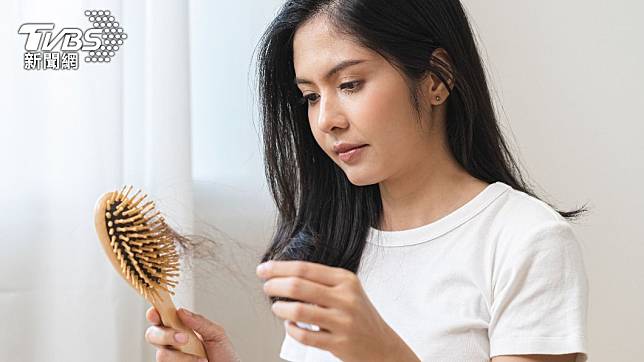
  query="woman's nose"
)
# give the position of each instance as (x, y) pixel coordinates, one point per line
(330, 115)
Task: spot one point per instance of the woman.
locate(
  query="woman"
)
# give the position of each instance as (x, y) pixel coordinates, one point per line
(406, 231)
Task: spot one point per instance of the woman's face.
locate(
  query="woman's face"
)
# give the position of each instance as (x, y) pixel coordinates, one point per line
(364, 103)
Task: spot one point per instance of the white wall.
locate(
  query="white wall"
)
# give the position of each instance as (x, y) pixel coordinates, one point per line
(569, 80)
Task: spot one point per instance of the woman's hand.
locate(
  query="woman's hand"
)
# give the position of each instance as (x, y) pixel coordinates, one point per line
(217, 345)
(350, 326)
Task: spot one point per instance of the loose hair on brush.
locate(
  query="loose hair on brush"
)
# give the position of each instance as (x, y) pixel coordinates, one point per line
(322, 217)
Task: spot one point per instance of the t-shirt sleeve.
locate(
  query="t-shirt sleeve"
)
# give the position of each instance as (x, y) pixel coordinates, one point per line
(540, 294)
(291, 349)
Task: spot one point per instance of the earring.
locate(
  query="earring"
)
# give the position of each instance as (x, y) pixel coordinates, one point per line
(438, 98)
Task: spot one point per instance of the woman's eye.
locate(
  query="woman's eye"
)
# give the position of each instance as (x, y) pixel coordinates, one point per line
(350, 86)
(309, 98)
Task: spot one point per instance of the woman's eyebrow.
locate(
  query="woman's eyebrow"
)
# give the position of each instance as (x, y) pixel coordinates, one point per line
(338, 67)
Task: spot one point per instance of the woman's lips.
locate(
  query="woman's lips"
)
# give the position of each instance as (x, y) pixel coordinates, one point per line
(352, 154)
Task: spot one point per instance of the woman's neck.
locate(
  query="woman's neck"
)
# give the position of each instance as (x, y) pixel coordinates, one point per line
(425, 194)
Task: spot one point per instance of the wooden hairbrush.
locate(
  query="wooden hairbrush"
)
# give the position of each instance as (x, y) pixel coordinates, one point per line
(141, 247)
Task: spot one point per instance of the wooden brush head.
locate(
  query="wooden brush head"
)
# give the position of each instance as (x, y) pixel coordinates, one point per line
(138, 242)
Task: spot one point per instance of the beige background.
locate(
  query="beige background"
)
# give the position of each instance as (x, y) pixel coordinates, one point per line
(569, 88)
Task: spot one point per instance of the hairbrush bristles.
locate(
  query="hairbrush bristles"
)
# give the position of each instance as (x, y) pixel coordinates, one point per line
(142, 242)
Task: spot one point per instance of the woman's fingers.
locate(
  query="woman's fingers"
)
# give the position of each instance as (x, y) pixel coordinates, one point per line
(218, 346)
(168, 355)
(163, 336)
(167, 340)
(210, 332)
(153, 316)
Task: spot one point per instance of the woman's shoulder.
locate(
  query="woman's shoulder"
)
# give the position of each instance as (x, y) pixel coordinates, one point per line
(518, 215)
(520, 209)
(521, 223)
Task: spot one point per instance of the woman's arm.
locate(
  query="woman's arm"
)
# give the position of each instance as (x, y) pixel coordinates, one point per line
(571, 357)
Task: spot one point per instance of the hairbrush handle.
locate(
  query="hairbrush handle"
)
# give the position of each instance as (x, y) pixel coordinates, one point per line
(168, 313)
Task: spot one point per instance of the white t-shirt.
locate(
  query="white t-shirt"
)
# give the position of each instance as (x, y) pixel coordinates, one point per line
(503, 274)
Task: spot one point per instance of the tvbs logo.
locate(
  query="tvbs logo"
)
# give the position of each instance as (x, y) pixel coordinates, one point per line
(46, 49)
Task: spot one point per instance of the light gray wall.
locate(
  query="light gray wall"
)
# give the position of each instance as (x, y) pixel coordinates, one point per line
(568, 84)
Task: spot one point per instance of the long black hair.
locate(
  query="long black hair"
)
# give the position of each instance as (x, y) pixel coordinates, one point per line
(322, 217)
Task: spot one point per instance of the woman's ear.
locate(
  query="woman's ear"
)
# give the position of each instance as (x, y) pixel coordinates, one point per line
(436, 89)
(444, 62)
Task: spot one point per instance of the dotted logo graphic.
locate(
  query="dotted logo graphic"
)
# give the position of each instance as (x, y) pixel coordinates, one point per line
(112, 36)
(48, 48)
